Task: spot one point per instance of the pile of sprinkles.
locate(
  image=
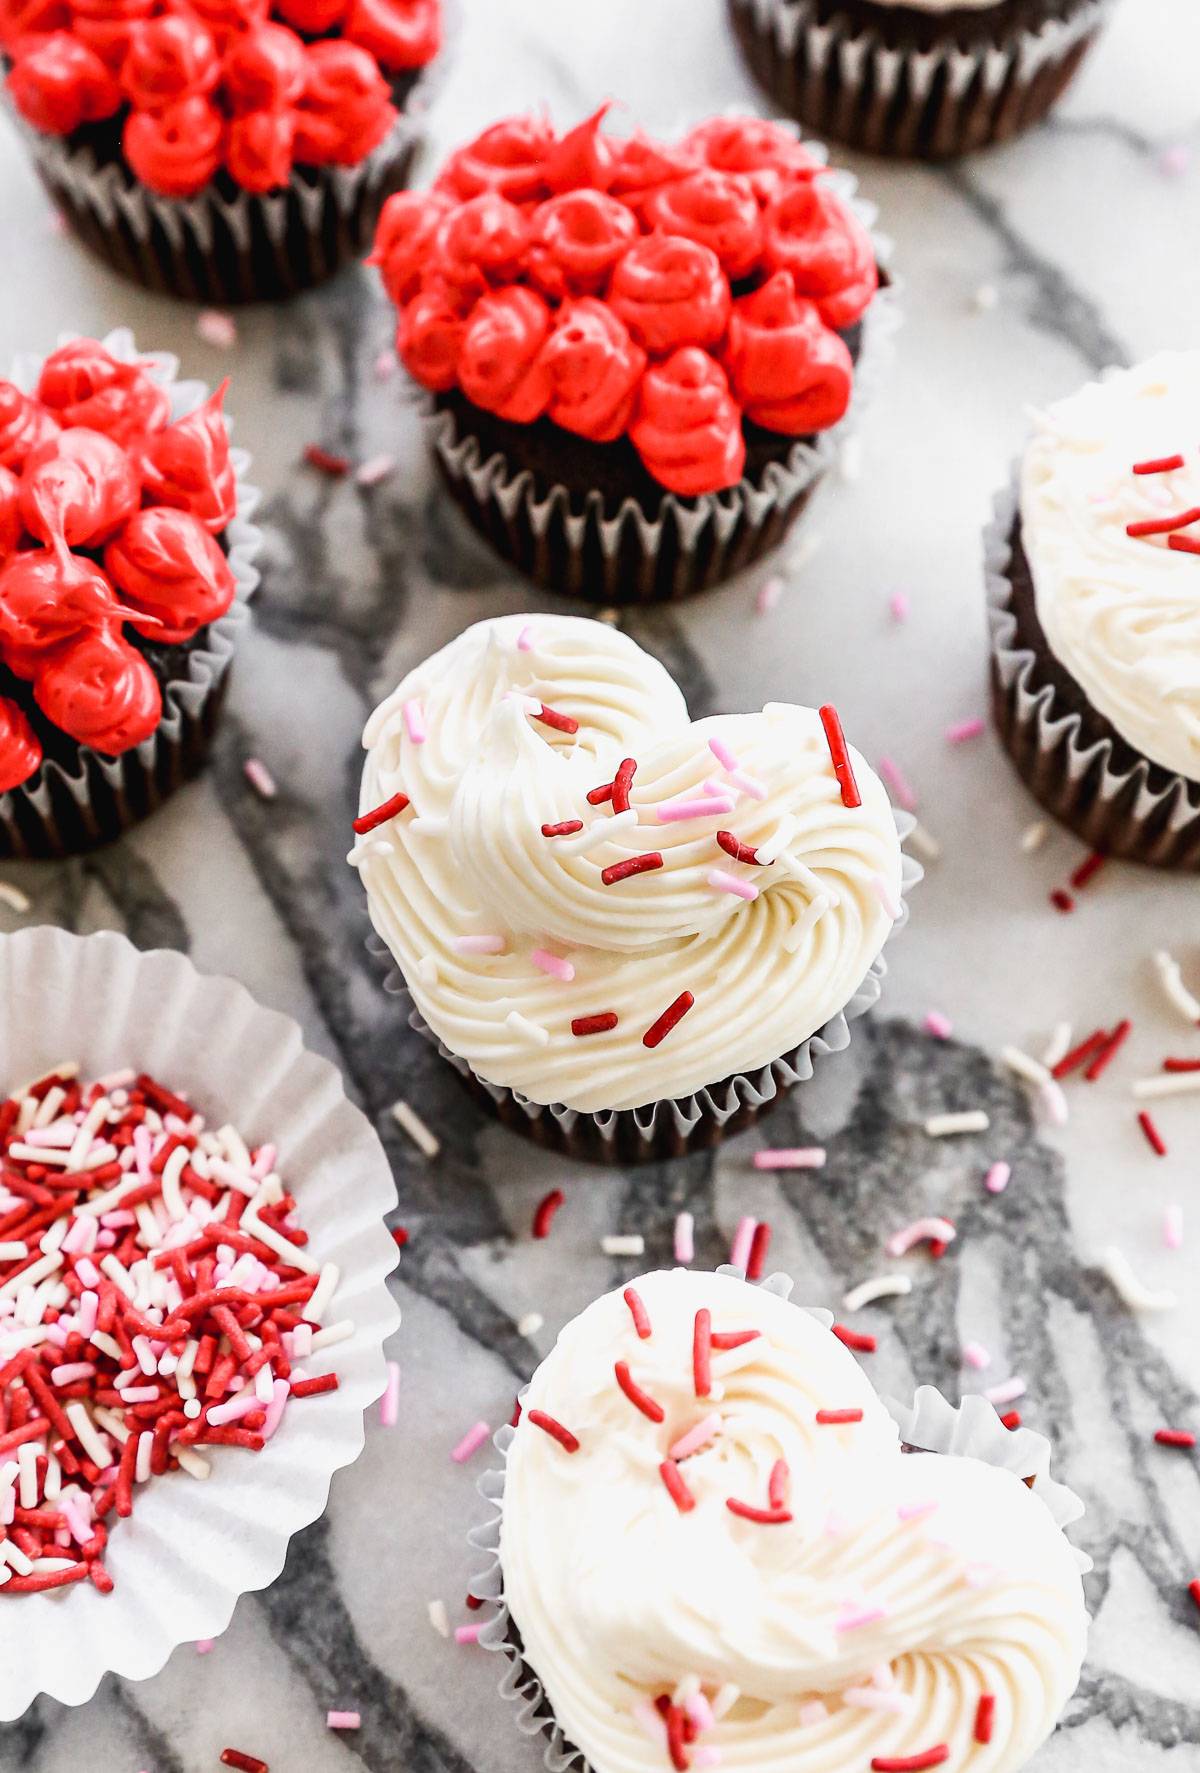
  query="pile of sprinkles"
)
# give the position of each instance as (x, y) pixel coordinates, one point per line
(157, 1299)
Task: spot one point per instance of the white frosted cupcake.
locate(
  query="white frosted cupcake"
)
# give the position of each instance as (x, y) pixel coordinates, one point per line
(631, 930)
(714, 1549)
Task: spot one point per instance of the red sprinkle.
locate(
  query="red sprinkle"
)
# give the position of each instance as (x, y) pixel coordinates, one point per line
(777, 1483)
(1161, 526)
(1062, 900)
(598, 796)
(1158, 465)
(658, 1031)
(638, 1312)
(838, 1418)
(724, 1339)
(554, 1429)
(835, 738)
(314, 1387)
(328, 463)
(759, 1246)
(622, 783)
(932, 1757)
(676, 1721)
(233, 1757)
(1175, 1437)
(702, 1353)
(1088, 869)
(1194, 1591)
(474, 1603)
(1104, 1058)
(563, 723)
(643, 864)
(1011, 1420)
(856, 1339)
(565, 828)
(985, 1717)
(680, 1495)
(604, 1023)
(381, 814)
(641, 1400)
(1183, 544)
(763, 1517)
(1153, 1137)
(1181, 1065)
(741, 852)
(399, 1236)
(543, 1218)
(1079, 1055)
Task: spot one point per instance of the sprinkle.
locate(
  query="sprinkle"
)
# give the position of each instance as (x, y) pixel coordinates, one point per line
(703, 806)
(1174, 1437)
(410, 1122)
(554, 1429)
(533, 1032)
(14, 898)
(547, 1207)
(554, 964)
(260, 778)
(1011, 1420)
(1034, 836)
(877, 1699)
(685, 1244)
(963, 730)
(970, 1120)
(855, 1618)
(1062, 901)
(998, 1177)
(1088, 869)
(795, 1157)
(976, 1355)
(1161, 526)
(898, 782)
(381, 814)
(622, 783)
(886, 897)
(985, 1713)
(1154, 1138)
(638, 1312)
(244, 1763)
(1007, 1392)
(204, 1646)
(598, 796)
(439, 1619)
(1032, 1070)
(674, 1013)
(920, 840)
(343, 1720)
(843, 769)
(724, 756)
(643, 864)
(931, 1757)
(759, 1246)
(838, 1418)
(564, 828)
(812, 1712)
(855, 1339)
(985, 298)
(414, 720)
(325, 460)
(729, 883)
(602, 1023)
(624, 1244)
(1184, 544)
(916, 1511)
(1058, 1046)
(530, 1324)
(900, 606)
(1138, 1297)
(1113, 1044)
(641, 1400)
(1080, 1054)
(940, 1230)
(1194, 1591)
(1173, 1227)
(1159, 465)
(1171, 979)
(696, 1437)
(741, 852)
(880, 1286)
(1172, 1083)
(702, 1353)
(769, 593)
(678, 1491)
(1181, 1065)
(748, 784)
(763, 1517)
(563, 723)
(384, 367)
(939, 1025)
(525, 639)
(470, 1443)
(739, 1249)
(467, 1634)
(389, 1407)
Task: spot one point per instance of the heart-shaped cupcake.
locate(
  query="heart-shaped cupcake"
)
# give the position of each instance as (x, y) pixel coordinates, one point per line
(599, 903)
(715, 1550)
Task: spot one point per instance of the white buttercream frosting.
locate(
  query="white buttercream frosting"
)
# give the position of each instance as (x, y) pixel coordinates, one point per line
(904, 1588)
(940, 5)
(1122, 613)
(467, 866)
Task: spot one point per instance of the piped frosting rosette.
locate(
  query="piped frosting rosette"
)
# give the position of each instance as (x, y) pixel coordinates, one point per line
(711, 1548)
(598, 904)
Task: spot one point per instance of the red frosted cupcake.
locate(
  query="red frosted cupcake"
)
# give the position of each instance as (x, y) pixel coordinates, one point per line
(222, 150)
(124, 557)
(640, 357)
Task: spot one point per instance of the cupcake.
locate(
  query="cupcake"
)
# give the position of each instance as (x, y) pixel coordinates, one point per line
(639, 357)
(715, 1549)
(125, 565)
(1094, 610)
(220, 150)
(919, 79)
(628, 931)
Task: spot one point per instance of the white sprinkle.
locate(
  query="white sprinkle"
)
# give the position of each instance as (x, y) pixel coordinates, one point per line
(481, 944)
(1032, 1070)
(880, 1286)
(260, 778)
(374, 470)
(685, 1246)
(933, 1229)
(411, 1123)
(769, 593)
(1171, 979)
(1052, 1101)
(598, 832)
(807, 921)
(884, 894)
(322, 1295)
(530, 1324)
(1006, 1393)
(633, 1244)
(1034, 836)
(774, 846)
(924, 844)
(217, 329)
(1134, 1293)
(533, 1032)
(1058, 1046)
(725, 1698)
(439, 1618)
(970, 1120)
(13, 897)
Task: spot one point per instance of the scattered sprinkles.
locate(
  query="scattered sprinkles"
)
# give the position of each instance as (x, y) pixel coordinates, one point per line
(547, 1207)
(470, 1443)
(670, 1018)
(795, 1157)
(325, 461)
(260, 778)
(936, 1230)
(880, 1286)
(969, 1120)
(410, 1122)
(1154, 1138)
(216, 329)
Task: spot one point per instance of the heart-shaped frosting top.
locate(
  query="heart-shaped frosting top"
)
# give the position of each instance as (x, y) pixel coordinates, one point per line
(1110, 523)
(715, 1552)
(594, 900)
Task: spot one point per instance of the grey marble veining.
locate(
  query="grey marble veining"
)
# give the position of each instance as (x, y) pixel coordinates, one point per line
(1088, 246)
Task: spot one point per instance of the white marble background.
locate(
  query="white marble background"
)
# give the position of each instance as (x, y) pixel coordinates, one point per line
(1086, 236)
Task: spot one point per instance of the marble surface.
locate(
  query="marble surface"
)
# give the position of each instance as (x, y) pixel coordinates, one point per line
(1026, 270)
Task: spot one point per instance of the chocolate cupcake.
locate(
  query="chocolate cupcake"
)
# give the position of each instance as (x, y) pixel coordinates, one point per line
(1094, 610)
(713, 1547)
(125, 565)
(221, 150)
(639, 357)
(919, 79)
(629, 933)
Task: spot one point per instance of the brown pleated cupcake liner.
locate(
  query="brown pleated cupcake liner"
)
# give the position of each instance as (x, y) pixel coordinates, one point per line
(580, 548)
(1142, 812)
(674, 1127)
(66, 808)
(917, 104)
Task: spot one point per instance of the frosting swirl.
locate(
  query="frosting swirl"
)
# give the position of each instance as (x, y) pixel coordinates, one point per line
(169, 59)
(670, 291)
(59, 84)
(165, 563)
(101, 691)
(482, 241)
(10, 513)
(789, 372)
(577, 238)
(188, 464)
(259, 151)
(400, 34)
(104, 25)
(865, 1621)
(595, 368)
(429, 338)
(509, 158)
(24, 425)
(175, 151)
(46, 599)
(345, 109)
(717, 209)
(20, 752)
(408, 227)
(469, 859)
(264, 69)
(500, 362)
(767, 155)
(78, 489)
(688, 430)
(810, 234)
(84, 384)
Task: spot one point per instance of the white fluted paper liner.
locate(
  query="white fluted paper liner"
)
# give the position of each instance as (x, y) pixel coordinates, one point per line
(1115, 809)
(972, 1430)
(711, 521)
(191, 1548)
(721, 1101)
(202, 668)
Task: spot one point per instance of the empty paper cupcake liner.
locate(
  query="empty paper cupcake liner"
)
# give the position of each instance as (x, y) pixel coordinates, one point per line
(853, 86)
(582, 549)
(971, 1430)
(1138, 811)
(190, 1549)
(667, 1128)
(65, 808)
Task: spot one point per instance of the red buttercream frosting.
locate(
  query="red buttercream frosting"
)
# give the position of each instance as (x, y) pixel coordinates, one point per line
(252, 86)
(110, 517)
(666, 293)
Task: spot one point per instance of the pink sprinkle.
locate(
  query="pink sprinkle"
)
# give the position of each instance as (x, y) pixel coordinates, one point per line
(876, 1699)
(696, 1437)
(813, 1711)
(936, 1230)
(470, 1443)
(479, 944)
(554, 964)
(389, 1407)
(73, 1370)
(898, 782)
(748, 784)
(998, 1177)
(940, 1026)
(743, 1237)
(700, 1712)
(724, 756)
(217, 329)
(276, 1408)
(374, 470)
(703, 807)
(414, 720)
(89, 1309)
(1175, 160)
(467, 1634)
(685, 1246)
(858, 1617)
(260, 778)
(916, 1511)
(769, 593)
(204, 1646)
(964, 729)
(976, 1355)
(525, 639)
(1007, 1393)
(795, 1157)
(385, 366)
(87, 1271)
(900, 606)
(1173, 1227)
(883, 893)
(729, 883)
(343, 1720)
(230, 1412)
